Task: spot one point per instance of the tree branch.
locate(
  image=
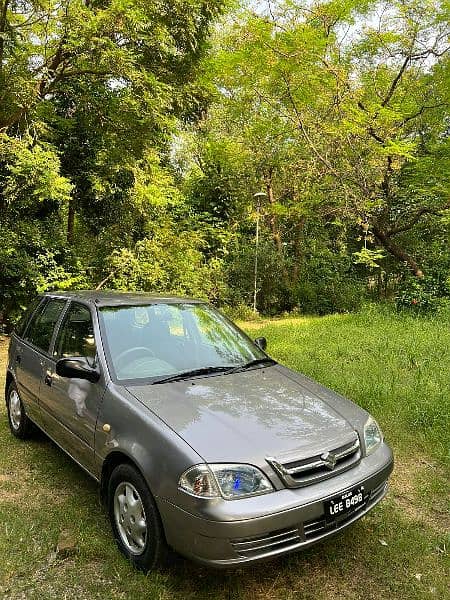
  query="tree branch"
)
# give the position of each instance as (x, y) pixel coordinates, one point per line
(105, 280)
(416, 218)
(396, 81)
(421, 111)
(12, 119)
(3, 20)
(385, 240)
(302, 128)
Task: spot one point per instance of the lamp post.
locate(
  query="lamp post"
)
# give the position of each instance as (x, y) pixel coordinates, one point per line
(257, 197)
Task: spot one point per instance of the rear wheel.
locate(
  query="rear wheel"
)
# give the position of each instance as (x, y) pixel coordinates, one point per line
(135, 519)
(19, 423)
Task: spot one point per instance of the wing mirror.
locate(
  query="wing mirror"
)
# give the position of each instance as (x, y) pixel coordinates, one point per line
(261, 342)
(77, 367)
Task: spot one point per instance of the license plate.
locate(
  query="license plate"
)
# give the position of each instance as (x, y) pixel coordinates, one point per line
(344, 503)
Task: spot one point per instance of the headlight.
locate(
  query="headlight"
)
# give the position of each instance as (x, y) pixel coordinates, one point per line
(229, 481)
(372, 435)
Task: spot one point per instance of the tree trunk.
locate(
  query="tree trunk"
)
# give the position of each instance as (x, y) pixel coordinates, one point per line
(71, 220)
(298, 247)
(3, 22)
(272, 218)
(395, 250)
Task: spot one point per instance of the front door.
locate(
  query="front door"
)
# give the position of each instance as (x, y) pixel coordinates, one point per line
(70, 405)
(32, 352)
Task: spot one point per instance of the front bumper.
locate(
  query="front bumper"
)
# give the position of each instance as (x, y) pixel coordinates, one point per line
(248, 530)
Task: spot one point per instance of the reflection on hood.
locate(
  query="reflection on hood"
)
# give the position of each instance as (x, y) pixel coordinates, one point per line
(246, 415)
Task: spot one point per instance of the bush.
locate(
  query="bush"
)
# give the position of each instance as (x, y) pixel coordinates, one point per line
(328, 284)
(274, 291)
(170, 261)
(424, 294)
(240, 312)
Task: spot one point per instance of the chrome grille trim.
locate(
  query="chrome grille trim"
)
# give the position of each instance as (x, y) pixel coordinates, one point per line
(339, 454)
(298, 473)
(277, 540)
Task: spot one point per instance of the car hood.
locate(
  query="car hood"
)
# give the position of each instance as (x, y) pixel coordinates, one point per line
(249, 415)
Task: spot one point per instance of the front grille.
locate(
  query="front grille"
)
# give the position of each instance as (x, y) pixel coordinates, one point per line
(297, 473)
(275, 540)
(317, 527)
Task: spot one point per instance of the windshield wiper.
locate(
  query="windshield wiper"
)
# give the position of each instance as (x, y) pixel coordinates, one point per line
(253, 363)
(191, 373)
(209, 370)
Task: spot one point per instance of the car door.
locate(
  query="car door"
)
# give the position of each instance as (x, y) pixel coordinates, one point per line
(31, 352)
(70, 405)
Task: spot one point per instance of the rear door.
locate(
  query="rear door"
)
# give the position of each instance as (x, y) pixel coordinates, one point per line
(70, 405)
(31, 352)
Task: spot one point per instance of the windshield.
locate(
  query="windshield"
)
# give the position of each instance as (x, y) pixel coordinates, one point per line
(159, 340)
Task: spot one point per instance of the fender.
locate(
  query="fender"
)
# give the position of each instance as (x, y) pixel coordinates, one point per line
(140, 437)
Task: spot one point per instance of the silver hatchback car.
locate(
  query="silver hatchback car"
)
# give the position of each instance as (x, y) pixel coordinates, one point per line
(199, 440)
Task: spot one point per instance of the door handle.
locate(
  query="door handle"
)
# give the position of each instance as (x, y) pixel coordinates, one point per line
(48, 379)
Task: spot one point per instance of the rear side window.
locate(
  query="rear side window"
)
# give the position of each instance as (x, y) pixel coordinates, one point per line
(76, 334)
(40, 330)
(22, 324)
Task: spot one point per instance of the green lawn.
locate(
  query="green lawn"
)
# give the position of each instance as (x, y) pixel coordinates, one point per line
(396, 367)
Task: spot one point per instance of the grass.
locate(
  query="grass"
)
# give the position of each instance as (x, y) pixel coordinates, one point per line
(397, 367)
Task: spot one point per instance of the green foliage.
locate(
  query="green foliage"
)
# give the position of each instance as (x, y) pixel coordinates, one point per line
(30, 179)
(427, 294)
(31, 263)
(325, 281)
(240, 312)
(328, 284)
(132, 144)
(171, 261)
(350, 130)
(369, 257)
(273, 293)
(90, 94)
(33, 200)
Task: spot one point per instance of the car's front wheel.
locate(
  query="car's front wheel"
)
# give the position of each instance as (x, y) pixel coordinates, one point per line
(19, 423)
(135, 519)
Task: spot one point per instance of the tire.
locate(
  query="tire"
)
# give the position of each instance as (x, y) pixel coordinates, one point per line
(20, 425)
(135, 519)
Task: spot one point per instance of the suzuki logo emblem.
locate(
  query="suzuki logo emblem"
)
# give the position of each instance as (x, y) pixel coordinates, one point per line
(329, 459)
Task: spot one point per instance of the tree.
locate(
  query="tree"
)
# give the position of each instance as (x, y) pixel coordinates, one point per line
(90, 95)
(124, 69)
(341, 106)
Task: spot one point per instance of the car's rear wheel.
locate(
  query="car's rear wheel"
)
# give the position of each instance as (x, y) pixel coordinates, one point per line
(19, 423)
(135, 519)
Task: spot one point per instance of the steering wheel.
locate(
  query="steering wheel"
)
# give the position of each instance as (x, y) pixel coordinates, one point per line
(124, 354)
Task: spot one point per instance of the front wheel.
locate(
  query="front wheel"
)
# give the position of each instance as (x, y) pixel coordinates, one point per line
(135, 519)
(19, 423)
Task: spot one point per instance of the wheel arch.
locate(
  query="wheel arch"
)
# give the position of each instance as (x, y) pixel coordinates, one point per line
(9, 379)
(113, 460)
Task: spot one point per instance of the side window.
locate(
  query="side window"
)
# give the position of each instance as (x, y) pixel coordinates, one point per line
(22, 324)
(41, 328)
(76, 334)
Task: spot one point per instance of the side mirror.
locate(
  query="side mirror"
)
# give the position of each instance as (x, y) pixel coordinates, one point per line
(77, 367)
(261, 343)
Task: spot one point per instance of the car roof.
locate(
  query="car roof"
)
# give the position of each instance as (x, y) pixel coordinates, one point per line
(116, 298)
